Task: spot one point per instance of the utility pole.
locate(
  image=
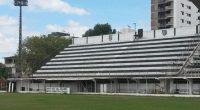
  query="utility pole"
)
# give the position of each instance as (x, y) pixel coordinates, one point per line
(20, 3)
(135, 27)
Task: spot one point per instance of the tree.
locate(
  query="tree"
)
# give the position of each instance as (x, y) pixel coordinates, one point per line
(100, 29)
(3, 71)
(37, 50)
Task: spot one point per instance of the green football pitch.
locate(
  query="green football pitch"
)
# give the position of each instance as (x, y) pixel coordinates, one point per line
(94, 102)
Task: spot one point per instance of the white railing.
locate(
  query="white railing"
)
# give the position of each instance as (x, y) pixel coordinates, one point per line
(111, 64)
(102, 74)
(104, 69)
(169, 33)
(170, 54)
(118, 60)
(133, 43)
(127, 51)
(122, 48)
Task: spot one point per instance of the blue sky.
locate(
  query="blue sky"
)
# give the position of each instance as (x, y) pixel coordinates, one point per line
(73, 16)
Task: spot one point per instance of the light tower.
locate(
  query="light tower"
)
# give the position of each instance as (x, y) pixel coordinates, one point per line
(20, 3)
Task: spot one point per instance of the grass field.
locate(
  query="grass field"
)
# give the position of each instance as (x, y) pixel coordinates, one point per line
(94, 102)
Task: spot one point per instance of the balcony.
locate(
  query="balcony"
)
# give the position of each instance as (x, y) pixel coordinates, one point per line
(170, 23)
(169, 15)
(168, 1)
(164, 2)
(161, 10)
(169, 7)
(161, 2)
(161, 26)
(162, 19)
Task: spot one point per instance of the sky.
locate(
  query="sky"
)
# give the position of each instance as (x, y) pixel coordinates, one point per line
(73, 16)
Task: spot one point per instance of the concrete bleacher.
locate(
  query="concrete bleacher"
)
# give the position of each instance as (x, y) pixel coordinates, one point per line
(95, 56)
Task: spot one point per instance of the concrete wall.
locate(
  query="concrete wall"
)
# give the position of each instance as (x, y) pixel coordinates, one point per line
(110, 38)
(154, 34)
(186, 31)
(94, 40)
(40, 86)
(115, 87)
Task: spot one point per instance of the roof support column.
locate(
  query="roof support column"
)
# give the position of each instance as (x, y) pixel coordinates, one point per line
(128, 86)
(111, 86)
(28, 84)
(146, 86)
(95, 85)
(115, 86)
(9, 86)
(44, 86)
(38, 88)
(1, 85)
(138, 85)
(12, 87)
(190, 86)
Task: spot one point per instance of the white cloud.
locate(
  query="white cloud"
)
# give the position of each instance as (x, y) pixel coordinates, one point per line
(3, 1)
(8, 38)
(56, 6)
(60, 6)
(9, 33)
(74, 28)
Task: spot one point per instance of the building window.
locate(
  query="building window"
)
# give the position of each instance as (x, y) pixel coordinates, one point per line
(189, 15)
(182, 12)
(182, 4)
(182, 20)
(198, 17)
(188, 22)
(189, 7)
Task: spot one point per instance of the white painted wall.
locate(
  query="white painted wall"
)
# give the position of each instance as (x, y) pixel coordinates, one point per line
(110, 38)
(127, 37)
(170, 33)
(178, 15)
(72, 85)
(183, 31)
(180, 32)
(95, 40)
(114, 87)
(148, 35)
(80, 41)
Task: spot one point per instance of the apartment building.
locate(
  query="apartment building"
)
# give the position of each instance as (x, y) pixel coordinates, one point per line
(173, 14)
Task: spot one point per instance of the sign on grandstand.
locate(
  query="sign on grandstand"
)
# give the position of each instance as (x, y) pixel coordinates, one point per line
(57, 90)
(164, 32)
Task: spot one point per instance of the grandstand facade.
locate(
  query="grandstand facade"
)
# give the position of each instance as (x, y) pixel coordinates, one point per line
(160, 62)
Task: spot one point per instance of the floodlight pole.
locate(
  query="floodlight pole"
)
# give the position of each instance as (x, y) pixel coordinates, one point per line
(20, 40)
(135, 27)
(20, 3)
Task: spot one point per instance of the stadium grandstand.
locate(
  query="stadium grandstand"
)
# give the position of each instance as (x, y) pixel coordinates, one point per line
(155, 62)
